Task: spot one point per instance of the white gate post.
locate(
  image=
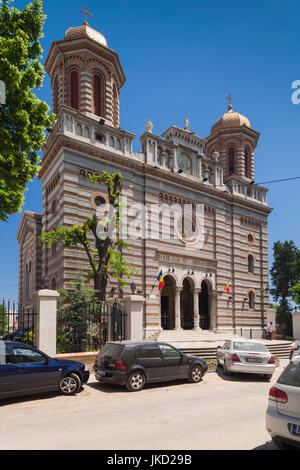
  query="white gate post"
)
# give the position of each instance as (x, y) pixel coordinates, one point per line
(134, 317)
(46, 320)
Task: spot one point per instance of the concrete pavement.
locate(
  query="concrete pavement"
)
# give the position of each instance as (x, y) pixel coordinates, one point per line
(219, 413)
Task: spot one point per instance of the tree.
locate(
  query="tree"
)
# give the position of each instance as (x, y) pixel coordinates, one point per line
(106, 259)
(284, 275)
(79, 326)
(3, 321)
(23, 117)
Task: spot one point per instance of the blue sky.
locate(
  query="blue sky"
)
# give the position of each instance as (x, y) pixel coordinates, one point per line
(181, 59)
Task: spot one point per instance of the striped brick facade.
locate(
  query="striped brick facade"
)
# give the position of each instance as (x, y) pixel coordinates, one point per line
(177, 168)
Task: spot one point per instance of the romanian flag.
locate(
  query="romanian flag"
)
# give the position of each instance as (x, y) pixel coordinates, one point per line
(161, 282)
(227, 288)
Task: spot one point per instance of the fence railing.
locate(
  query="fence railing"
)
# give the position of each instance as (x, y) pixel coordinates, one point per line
(87, 326)
(16, 324)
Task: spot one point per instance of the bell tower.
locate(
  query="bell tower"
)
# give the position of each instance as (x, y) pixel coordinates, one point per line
(235, 140)
(86, 74)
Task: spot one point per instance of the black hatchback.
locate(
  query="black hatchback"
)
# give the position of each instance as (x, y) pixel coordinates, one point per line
(134, 364)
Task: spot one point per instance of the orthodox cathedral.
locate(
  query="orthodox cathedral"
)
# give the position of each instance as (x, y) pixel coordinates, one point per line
(220, 284)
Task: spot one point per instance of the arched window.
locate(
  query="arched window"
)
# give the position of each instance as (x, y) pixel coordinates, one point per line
(55, 94)
(54, 246)
(251, 298)
(115, 111)
(250, 264)
(74, 90)
(231, 161)
(247, 162)
(54, 207)
(53, 284)
(97, 95)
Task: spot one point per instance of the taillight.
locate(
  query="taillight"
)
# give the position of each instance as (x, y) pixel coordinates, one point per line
(271, 360)
(235, 358)
(278, 395)
(119, 365)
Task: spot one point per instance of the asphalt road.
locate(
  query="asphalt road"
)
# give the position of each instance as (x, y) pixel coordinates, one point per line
(217, 414)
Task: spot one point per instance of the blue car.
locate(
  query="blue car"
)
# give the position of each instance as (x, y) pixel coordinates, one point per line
(25, 370)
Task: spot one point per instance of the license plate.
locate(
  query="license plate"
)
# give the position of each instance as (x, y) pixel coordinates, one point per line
(296, 429)
(253, 359)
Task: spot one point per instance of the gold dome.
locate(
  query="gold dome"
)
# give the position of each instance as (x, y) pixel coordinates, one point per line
(230, 119)
(86, 31)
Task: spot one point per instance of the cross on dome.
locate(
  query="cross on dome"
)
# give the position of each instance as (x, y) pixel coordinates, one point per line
(86, 14)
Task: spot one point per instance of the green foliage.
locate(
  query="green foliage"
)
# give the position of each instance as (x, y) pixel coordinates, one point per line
(105, 251)
(79, 328)
(296, 294)
(23, 118)
(285, 274)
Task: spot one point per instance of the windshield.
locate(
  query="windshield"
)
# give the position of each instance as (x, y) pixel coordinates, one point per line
(291, 375)
(113, 351)
(247, 346)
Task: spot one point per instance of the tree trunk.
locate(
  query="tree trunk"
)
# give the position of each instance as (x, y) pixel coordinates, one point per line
(100, 285)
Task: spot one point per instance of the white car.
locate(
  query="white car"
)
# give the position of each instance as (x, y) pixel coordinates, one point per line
(250, 357)
(283, 413)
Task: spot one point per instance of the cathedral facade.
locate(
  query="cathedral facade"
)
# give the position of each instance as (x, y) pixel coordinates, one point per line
(217, 280)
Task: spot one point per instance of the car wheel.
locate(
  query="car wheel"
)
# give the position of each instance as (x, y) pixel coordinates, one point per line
(135, 381)
(226, 371)
(70, 384)
(268, 377)
(196, 374)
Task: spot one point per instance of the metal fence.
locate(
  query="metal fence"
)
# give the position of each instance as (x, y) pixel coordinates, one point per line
(16, 324)
(87, 326)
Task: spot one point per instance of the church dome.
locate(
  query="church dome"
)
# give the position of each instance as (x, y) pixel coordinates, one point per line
(86, 31)
(230, 119)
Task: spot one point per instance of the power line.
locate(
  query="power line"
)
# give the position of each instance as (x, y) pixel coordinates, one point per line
(278, 181)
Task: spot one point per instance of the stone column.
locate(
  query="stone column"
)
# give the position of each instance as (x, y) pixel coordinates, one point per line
(212, 305)
(177, 308)
(133, 305)
(196, 293)
(46, 320)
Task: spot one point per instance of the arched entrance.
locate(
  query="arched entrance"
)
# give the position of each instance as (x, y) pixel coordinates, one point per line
(204, 307)
(167, 303)
(186, 305)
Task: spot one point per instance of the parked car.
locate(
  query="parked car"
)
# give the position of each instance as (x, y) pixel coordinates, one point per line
(134, 364)
(283, 412)
(295, 348)
(25, 370)
(17, 336)
(246, 356)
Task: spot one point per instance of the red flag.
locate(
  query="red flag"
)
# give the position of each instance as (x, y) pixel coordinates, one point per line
(227, 288)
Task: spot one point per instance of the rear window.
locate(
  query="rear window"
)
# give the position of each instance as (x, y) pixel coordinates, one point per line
(112, 350)
(247, 346)
(291, 375)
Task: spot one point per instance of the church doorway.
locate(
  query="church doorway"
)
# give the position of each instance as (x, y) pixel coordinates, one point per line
(186, 306)
(167, 303)
(204, 307)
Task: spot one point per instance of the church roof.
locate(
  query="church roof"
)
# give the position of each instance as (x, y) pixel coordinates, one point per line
(230, 119)
(86, 31)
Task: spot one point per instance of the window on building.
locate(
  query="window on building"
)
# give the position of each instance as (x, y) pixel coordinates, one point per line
(97, 95)
(247, 162)
(54, 246)
(115, 110)
(74, 90)
(53, 284)
(251, 298)
(231, 161)
(250, 264)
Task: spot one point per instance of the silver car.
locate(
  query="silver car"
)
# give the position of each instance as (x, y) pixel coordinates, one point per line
(250, 357)
(283, 413)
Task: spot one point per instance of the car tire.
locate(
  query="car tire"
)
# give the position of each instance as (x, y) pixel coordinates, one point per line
(70, 384)
(268, 377)
(136, 381)
(196, 374)
(226, 371)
